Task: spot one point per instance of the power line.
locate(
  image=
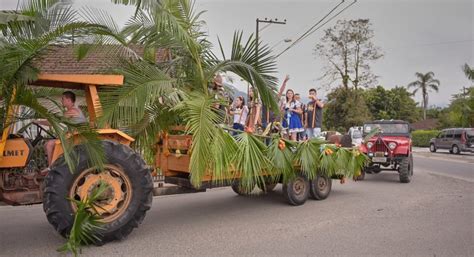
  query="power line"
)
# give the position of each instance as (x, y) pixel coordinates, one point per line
(315, 27)
(312, 27)
(337, 14)
(309, 30)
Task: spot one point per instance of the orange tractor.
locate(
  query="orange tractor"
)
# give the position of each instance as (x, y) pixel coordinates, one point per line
(23, 161)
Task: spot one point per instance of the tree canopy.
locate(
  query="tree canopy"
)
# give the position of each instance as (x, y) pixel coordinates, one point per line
(348, 49)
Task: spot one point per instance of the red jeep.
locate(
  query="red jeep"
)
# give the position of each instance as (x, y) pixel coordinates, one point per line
(388, 145)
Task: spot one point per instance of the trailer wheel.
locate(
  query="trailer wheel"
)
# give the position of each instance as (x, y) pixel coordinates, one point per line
(123, 205)
(238, 189)
(320, 187)
(361, 176)
(296, 191)
(268, 186)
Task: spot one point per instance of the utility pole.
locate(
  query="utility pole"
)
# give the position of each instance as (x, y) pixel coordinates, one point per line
(266, 20)
(270, 21)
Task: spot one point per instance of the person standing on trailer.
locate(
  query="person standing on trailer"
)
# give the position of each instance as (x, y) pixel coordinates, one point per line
(313, 116)
(240, 112)
(300, 136)
(291, 111)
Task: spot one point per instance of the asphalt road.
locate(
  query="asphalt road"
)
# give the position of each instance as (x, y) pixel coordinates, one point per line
(431, 216)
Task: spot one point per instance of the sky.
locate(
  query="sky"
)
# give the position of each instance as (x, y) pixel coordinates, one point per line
(414, 35)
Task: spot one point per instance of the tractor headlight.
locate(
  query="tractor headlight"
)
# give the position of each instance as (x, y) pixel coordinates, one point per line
(369, 145)
(392, 145)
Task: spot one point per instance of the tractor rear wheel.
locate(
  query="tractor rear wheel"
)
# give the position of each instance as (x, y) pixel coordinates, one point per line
(121, 207)
(296, 191)
(320, 187)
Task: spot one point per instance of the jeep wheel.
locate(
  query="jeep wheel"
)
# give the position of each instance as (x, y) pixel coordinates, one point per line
(406, 169)
(296, 191)
(432, 148)
(320, 187)
(455, 149)
(122, 206)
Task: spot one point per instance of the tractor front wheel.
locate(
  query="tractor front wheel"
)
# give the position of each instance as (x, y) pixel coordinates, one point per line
(120, 209)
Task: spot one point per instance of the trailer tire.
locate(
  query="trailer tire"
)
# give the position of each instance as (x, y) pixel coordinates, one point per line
(320, 187)
(296, 191)
(123, 166)
(268, 185)
(238, 189)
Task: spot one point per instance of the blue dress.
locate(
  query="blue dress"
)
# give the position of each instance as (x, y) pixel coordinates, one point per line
(291, 120)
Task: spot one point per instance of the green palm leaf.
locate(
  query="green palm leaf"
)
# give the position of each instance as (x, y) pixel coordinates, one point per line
(250, 160)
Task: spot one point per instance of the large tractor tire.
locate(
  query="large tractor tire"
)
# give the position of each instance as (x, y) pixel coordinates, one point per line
(122, 206)
(406, 169)
(320, 187)
(296, 191)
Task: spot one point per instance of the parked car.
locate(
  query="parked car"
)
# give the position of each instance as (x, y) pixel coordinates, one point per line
(389, 148)
(456, 140)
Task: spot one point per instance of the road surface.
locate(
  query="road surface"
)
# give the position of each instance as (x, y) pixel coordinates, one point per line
(431, 216)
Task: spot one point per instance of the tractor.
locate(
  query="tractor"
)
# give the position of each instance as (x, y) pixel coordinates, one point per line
(25, 178)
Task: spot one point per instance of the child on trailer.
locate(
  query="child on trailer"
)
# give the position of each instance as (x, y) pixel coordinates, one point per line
(240, 112)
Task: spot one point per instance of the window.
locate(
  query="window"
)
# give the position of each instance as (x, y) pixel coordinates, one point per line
(442, 134)
(458, 134)
(450, 134)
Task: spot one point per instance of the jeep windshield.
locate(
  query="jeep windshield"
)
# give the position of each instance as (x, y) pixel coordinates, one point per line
(387, 128)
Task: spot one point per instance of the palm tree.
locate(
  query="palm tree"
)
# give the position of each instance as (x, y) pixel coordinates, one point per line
(425, 83)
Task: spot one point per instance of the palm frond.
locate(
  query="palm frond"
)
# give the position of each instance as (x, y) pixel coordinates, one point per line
(282, 159)
(251, 161)
(144, 85)
(308, 157)
(257, 71)
(201, 121)
(86, 227)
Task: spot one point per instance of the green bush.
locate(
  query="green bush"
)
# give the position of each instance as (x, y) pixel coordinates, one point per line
(421, 138)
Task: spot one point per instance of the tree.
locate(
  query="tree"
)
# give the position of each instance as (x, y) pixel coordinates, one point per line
(395, 103)
(348, 49)
(468, 71)
(345, 108)
(460, 112)
(425, 84)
